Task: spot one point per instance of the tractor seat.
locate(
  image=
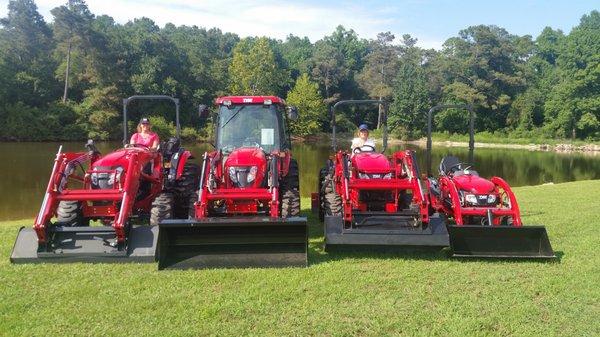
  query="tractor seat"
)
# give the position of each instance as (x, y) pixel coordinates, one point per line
(170, 147)
(449, 164)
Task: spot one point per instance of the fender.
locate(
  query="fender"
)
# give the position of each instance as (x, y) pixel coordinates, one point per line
(178, 162)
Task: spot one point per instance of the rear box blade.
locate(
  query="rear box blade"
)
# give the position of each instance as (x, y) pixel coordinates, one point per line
(528, 242)
(86, 244)
(232, 243)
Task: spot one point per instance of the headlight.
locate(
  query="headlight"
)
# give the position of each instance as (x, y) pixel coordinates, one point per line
(94, 177)
(252, 174)
(471, 199)
(115, 176)
(363, 175)
(388, 176)
(491, 198)
(233, 174)
(241, 176)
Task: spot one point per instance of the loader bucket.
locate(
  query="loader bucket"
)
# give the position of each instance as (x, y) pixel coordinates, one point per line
(232, 243)
(528, 242)
(384, 231)
(85, 244)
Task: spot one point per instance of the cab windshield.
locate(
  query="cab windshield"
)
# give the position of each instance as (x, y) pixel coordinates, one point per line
(249, 126)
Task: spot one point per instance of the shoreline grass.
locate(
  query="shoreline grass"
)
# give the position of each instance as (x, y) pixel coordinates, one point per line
(418, 292)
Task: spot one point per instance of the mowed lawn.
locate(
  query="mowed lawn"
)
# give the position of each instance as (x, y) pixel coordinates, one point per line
(365, 294)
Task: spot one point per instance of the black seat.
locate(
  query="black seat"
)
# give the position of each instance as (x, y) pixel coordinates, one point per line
(449, 164)
(170, 147)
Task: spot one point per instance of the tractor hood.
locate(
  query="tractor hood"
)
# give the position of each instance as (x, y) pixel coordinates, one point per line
(371, 162)
(118, 157)
(112, 159)
(246, 156)
(473, 184)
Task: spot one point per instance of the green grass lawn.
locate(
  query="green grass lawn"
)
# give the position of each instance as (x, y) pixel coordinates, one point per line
(407, 293)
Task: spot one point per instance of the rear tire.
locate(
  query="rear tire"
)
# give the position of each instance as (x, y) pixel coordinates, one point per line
(185, 190)
(162, 208)
(70, 213)
(289, 191)
(322, 182)
(332, 202)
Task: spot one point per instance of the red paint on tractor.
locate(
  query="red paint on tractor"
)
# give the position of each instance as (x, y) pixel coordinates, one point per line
(371, 162)
(474, 184)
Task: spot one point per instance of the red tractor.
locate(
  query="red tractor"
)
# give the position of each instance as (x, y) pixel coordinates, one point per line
(248, 202)
(485, 212)
(370, 199)
(117, 190)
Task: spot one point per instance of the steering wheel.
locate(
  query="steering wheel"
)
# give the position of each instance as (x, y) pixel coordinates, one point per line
(138, 145)
(250, 142)
(457, 165)
(360, 150)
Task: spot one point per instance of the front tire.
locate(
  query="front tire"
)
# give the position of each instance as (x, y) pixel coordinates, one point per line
(70, 213)
(162, 208)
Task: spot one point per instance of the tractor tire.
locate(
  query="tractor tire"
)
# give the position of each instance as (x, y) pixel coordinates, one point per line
(332, 202)
(162, 208)
(289, 192)
(70, 213)
(185, 190)
(322, 182)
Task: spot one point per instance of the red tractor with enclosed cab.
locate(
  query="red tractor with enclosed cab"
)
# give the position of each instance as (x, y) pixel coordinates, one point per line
(485, 216)
(246, 212)
(369, 199)
(119, 191)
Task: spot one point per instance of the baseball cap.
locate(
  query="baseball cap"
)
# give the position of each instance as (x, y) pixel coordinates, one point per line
(363, 127)
(144, 121)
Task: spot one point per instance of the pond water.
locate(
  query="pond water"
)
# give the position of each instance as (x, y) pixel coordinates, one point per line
(27, 167)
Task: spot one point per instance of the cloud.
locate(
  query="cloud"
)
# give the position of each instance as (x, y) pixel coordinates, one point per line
(270, 18)
(245, 18)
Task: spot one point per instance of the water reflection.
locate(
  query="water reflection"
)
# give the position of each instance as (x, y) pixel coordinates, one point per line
(27, 167)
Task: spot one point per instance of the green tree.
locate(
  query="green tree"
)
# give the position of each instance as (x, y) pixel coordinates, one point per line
(312, 111)
(25, 65)
(328, 69)
(254, 70)
(484, 67)
(76, 45)
(98, 113)
(336, 59)
(574, 104)
(380, 70)
(410, 92)
(297, 53)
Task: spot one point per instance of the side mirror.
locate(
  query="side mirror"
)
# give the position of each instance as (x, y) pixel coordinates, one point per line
(203, 111)
(292, 112)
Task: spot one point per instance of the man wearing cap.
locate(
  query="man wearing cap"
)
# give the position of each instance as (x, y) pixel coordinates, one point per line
(362, 140)
(144, 135)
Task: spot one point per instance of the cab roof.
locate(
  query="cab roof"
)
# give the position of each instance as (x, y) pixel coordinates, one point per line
(249, 100)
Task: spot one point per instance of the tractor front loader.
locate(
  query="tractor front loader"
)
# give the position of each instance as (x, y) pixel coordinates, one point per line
(369, 199)
(246, 213)
(485, 213)
(118, 193)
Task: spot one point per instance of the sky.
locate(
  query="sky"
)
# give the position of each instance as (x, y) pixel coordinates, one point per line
(430, 21)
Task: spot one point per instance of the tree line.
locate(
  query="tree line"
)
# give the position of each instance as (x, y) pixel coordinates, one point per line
(65, 80)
